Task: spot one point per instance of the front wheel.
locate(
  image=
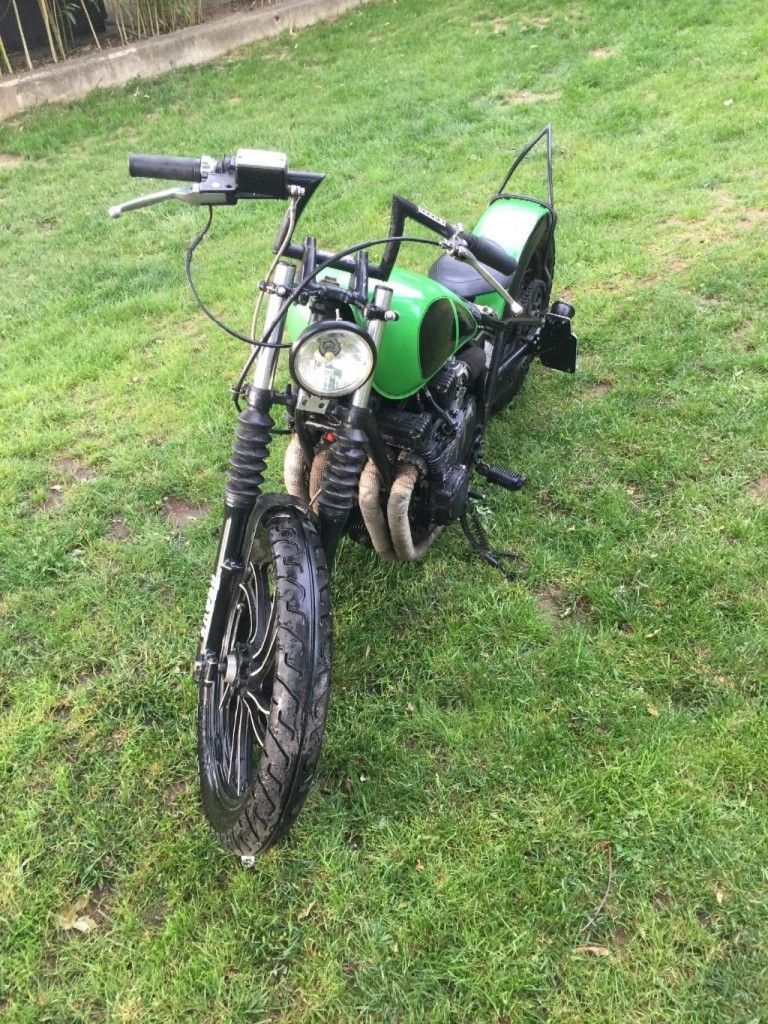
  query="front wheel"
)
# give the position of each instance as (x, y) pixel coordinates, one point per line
(261, 719)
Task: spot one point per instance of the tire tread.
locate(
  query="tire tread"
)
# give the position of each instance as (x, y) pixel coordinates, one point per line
(300, 694)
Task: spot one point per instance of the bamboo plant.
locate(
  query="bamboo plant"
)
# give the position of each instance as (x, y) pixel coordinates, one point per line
(134, 19)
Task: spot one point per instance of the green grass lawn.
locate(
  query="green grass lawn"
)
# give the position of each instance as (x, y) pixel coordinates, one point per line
(499, 756)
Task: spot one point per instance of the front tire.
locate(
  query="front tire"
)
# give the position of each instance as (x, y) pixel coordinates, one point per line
(261, 719)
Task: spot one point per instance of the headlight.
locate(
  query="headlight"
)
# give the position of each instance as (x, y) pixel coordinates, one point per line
(332, 358)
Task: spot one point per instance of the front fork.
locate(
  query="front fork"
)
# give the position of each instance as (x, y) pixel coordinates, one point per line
(244, 480)
(249, 460)
(349, 452)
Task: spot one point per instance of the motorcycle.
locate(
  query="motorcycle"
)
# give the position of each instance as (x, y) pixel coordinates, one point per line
(394, 377)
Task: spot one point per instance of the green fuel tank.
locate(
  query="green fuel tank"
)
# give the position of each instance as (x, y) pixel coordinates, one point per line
(432, 324)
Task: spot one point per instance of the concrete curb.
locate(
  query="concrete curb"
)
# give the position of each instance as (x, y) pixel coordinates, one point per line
(77, 77)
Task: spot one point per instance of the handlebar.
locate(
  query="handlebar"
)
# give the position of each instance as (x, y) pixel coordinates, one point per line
(483, 249)
(251, 173)
(490, 253)
(168, 168)
(264, 174)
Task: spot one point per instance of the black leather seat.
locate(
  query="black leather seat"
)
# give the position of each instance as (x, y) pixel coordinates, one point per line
(462, 279)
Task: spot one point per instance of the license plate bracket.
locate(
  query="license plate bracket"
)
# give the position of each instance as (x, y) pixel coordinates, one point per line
(557, 343)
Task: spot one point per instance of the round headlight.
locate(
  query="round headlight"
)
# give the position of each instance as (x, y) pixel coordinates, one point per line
(332, 358)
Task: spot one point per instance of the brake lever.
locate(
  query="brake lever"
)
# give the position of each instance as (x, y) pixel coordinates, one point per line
(459, 251)
(192, 194)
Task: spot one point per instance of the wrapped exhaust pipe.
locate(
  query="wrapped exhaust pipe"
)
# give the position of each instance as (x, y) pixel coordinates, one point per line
(320, 461)
(397, 516)
(295, 472)
(369, 499)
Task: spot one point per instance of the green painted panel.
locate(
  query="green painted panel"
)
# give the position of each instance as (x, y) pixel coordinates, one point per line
(509, 223)
(398, 369)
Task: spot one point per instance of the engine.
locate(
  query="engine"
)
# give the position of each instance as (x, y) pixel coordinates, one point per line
(431, 436)
(438, 431)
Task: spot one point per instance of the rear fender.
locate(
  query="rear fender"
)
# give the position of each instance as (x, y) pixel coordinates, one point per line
(523, 228)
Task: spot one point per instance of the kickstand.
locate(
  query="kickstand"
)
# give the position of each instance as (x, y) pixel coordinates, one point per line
(475, 533)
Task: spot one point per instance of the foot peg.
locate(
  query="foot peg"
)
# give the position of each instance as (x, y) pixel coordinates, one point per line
(502, 477)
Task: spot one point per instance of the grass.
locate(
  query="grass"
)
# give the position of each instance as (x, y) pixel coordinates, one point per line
(490, 745)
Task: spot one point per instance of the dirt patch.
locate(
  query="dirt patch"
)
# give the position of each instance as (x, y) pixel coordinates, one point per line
(601, 389)
(523, 96)
(550, 602)
(119, 530)
(173, 794)
(760, 489)
(61, 712)
(579, 610)
(8, 161)
(742, 336)
(180, 513)
(97, 671)
(556, 607)
(541, 22)
(69, 471)
(155, 916)
(636, 499)
(677, 266)
(751, 218)
(85, 915)
(602, 52)
(53, 500)
(723, 221)
(661, 900)
(118, 738)
(74, 469)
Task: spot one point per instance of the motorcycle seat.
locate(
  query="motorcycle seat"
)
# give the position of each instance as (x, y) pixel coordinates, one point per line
(462, 279)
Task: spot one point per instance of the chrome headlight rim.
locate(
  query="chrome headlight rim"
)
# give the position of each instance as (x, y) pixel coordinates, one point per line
(321, 327)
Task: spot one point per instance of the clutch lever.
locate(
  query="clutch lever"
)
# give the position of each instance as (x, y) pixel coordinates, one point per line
(192, 194)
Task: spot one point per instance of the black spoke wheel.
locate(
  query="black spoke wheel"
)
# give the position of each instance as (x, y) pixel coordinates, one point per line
(512, 372)
(261, 718)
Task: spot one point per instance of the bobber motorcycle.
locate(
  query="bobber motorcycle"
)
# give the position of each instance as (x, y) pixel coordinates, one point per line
(394, 376)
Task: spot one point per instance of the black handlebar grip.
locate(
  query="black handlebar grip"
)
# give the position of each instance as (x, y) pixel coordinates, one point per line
(490, 253)
(169, 168)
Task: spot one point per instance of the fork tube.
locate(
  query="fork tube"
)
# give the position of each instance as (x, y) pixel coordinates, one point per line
(244, 482)
(382, 297)
(348, 454)
(265, 364)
